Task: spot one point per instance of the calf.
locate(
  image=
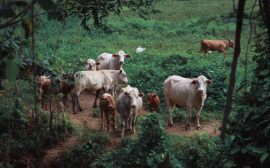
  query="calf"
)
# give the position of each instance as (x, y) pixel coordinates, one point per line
(153, 102)
(214, 45)
(128, 104)
(185, 92)
(90, 65)
(107, 106)
(96, 81)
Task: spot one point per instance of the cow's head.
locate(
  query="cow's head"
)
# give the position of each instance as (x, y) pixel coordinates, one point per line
(200, 84)
(90, 65)
(150, 98)
(132, 97)
(120, 56)
(109, 98)
(123, 76)
(231, 43)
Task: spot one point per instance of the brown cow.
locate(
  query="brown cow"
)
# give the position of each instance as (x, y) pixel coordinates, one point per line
(46, 86)
(153, 102)
(214, 45)
(107, 106)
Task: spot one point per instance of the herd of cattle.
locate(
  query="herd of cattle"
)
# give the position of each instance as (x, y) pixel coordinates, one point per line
(104, 75)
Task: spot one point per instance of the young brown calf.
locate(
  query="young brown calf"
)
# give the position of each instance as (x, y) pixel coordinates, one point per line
(107, 106)
(153, 102)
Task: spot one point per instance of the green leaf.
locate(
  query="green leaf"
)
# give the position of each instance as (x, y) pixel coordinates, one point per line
(263, 157)
(260, 149)
(235, 149)
(266, 130)
(69, 64)
(228, 142)
(243, 150)
(12, 69)
(264, 72)
(229, 164)
(5, 13)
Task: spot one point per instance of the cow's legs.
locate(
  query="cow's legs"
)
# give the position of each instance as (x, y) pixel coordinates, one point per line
(108, 121)
(198, 117)
(101, 115)
(97, 95)
(133, 119)
(170, 105)
(74, 97)
(122, 125)
(113, 120)
(189, 108)
(223, 51)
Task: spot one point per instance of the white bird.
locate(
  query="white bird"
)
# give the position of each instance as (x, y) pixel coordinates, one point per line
(139, 49)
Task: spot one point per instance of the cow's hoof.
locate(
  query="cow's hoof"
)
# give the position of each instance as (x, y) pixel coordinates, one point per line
(75, 112)
(198, 127)
(95, 106)
(187, 128)
(81, 109)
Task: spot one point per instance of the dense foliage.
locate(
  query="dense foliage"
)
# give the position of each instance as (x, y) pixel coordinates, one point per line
(172, 41)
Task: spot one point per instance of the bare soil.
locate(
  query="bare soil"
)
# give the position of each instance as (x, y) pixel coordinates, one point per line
(93, 123)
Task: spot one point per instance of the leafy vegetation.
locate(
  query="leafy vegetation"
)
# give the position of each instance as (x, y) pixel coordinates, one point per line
(172, 41)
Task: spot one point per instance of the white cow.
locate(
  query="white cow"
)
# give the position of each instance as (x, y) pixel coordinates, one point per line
(112, 62)
(185, 92)
(90, 65)
(128, 104)
(96, 81)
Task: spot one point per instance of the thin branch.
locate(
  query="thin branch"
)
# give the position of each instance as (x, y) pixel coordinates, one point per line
(19, 14)
(240, 14)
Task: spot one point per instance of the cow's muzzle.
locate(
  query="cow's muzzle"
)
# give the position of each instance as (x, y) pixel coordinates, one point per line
(133, 106)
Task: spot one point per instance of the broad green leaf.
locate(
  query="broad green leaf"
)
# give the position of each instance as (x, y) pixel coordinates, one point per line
(12, 69)
(246, 113)
(243, 150)
(69, 64)
(264, 72)
(228, 142)
(229, 164)
(266, 130)
(263, 157)
(235, 149)
(261, 149)
(40, 56)
(5, 13)
(250, 147)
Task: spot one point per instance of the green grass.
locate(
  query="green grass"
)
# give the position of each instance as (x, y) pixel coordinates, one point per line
(172, 35)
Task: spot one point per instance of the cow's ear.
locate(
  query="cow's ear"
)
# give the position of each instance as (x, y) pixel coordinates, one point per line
(209, 82)
(126, 93)
(114, 56)
(85, 63)
(128, 56)
(229, 40)
(97, 63)
(154, 95)
(121, 71)
(140, 94)
(193, 82)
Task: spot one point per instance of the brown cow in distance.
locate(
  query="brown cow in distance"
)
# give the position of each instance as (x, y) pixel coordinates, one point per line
(107, 106)
(214, 45)
(153, 102)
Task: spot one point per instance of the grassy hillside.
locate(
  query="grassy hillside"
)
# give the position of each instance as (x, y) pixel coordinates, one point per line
(172, 39)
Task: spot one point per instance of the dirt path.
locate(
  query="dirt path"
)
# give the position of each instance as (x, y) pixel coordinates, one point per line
(93, 123)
